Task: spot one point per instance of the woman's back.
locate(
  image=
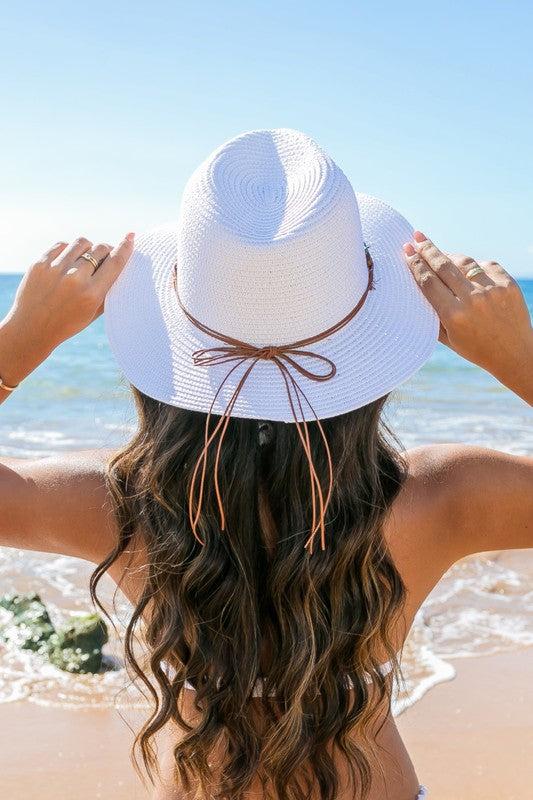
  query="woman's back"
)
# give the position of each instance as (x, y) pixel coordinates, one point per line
(405, 533)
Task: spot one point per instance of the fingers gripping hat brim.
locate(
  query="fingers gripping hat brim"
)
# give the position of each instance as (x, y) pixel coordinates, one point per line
(390, 338)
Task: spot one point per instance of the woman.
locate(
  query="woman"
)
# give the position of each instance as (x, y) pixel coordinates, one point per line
(273, 542)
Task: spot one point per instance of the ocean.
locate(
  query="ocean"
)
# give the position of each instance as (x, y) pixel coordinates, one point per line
(78, 400)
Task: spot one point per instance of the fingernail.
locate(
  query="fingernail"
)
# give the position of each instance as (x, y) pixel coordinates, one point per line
(419, 237)
(130, 237)
(409, 249)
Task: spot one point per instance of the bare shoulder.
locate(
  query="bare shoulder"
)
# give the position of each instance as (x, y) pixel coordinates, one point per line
(486, 495)
(57, 504)
(458, 500)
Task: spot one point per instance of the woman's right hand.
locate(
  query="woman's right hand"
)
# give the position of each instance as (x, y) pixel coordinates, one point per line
(484, 319)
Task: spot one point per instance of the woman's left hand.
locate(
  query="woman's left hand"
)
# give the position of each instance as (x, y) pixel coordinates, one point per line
(62, 293)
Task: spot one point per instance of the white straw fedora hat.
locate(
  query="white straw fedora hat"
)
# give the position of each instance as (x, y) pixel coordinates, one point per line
(269, 250)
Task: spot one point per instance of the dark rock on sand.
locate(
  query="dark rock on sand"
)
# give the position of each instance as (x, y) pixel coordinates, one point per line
(76, 646)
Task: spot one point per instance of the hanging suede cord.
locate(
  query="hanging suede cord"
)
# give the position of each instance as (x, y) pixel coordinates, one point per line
(236, 350)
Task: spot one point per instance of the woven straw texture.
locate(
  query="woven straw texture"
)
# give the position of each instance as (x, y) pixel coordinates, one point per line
(269, 246)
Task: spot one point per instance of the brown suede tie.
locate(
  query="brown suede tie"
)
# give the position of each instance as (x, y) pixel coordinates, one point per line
(236, 350)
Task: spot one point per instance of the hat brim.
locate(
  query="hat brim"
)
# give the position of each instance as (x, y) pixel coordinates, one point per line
(388, 340)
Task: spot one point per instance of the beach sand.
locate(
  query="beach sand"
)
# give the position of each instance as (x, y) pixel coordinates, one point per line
(54, 753)
(470, 738)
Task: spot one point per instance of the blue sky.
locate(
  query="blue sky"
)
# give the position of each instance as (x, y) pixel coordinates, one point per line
(109, 106)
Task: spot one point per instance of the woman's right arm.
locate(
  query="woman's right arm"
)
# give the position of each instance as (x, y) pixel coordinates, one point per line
(485, 497)
(471, 499)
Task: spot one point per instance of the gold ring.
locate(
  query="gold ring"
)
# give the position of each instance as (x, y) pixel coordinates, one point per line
(474, 271)
(92, 259)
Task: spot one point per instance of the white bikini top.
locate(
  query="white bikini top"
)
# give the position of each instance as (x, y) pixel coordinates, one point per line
(384, 668)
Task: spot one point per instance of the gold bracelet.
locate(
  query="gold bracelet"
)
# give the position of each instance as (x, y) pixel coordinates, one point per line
(6, 387)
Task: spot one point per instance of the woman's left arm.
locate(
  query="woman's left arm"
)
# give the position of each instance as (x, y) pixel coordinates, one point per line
(60, 504)
(56, 504)
(60, 295)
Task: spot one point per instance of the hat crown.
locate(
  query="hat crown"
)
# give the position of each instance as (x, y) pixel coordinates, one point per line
(270, 246)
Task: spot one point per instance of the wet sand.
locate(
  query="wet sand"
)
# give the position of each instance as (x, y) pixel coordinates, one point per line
(470, 739)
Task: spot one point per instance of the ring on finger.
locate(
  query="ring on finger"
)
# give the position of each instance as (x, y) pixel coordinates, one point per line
(92, 259)
(477, 270)
(96, 264)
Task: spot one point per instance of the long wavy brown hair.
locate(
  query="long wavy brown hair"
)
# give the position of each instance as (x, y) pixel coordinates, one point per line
(326, 614)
